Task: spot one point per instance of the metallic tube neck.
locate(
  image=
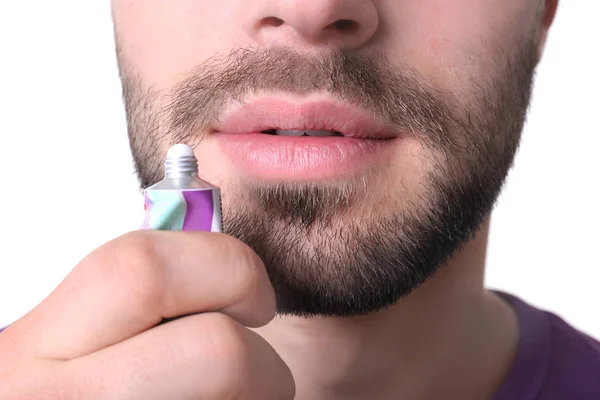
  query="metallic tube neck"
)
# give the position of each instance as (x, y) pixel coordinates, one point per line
(181, 167)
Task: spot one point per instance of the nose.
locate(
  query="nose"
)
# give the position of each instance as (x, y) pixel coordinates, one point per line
(346, 24)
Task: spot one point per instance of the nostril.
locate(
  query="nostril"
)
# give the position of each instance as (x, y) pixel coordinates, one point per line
(345, 25)
(272, 21)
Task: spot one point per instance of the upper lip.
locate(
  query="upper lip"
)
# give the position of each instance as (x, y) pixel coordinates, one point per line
(266, 114)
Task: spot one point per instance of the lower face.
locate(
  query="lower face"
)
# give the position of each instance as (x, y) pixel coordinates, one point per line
(421, 129)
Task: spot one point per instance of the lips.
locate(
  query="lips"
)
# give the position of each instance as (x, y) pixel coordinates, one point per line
(264, 115)
(274, 139)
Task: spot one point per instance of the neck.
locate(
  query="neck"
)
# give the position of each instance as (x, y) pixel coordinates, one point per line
(448, 339)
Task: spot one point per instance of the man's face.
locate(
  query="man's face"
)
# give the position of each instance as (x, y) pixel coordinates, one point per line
(423, 103)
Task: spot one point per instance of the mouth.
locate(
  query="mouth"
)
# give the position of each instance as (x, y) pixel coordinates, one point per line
(301, 132)
(282, 140)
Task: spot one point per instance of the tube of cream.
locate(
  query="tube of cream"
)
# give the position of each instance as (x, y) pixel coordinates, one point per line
(182, 201)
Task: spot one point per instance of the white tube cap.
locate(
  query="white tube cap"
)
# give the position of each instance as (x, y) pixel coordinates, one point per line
(180, 151)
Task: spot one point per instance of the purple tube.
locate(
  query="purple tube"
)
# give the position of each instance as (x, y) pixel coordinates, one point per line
(182, 201)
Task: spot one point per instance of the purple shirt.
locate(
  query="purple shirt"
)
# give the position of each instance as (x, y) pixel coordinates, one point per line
(554, 361)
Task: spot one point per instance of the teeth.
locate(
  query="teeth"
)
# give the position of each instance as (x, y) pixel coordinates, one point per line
(319, 133)
(284, 132)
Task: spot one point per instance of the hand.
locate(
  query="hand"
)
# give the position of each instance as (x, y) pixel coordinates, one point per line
(99, 334)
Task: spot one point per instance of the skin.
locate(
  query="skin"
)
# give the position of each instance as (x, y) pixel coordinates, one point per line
(450, 338)
(99, 334)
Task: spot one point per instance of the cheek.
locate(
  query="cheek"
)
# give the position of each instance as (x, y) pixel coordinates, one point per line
(453, 43)
(160, 40)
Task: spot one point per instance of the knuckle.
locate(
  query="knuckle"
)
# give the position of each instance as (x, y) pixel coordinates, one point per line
(246, 365)
(228, 346)
(247, 270)
(226, 339)
(132, 265)
(249, 277)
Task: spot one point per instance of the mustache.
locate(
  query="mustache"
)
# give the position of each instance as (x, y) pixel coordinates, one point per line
(396, 95)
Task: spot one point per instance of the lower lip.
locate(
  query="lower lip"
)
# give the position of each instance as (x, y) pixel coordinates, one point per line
(307, 157)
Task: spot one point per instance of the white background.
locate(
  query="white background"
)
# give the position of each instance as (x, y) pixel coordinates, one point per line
(68, 182)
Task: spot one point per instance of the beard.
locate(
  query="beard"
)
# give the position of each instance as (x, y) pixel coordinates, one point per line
(329, 249)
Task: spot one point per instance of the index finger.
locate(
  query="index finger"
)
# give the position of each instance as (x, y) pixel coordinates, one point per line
(132, 283)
